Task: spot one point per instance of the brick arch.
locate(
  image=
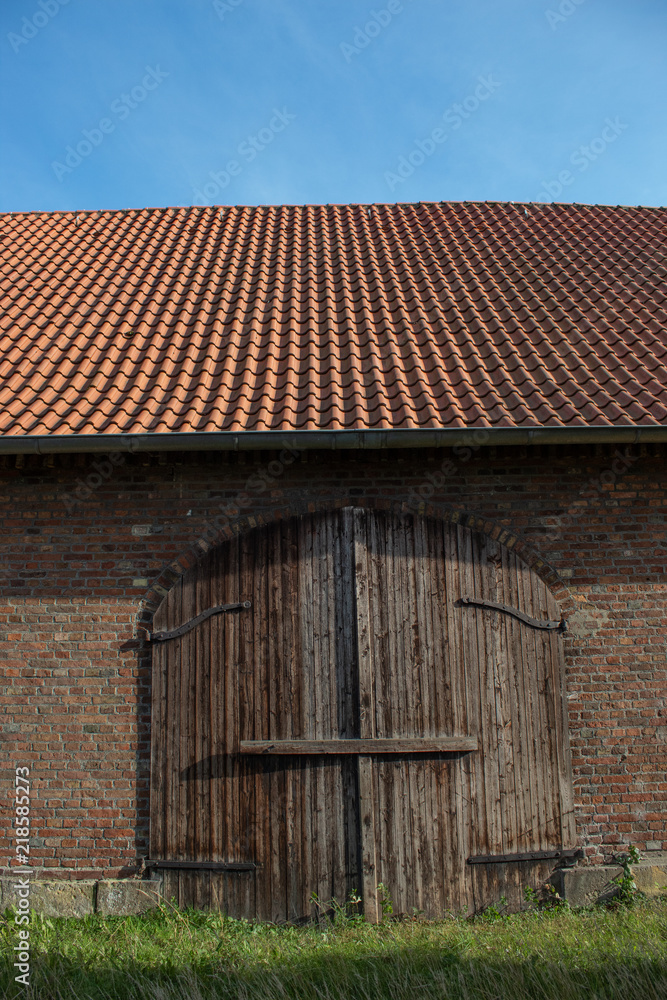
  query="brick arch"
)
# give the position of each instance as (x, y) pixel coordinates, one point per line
(445, 512)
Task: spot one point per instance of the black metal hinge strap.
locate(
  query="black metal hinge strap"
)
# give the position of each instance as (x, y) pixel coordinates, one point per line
(572, 854)
(188, 626)
(218, 866)
(550, 626)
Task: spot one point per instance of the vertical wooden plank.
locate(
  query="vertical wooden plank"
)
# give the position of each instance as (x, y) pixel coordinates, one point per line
(277, 663)
(489, 626)
(171, 762)
(442, 865)
(215, 750)
(379, 674)
(336, 679)
(406, 671)
(540, 603)
(463, 712)
(347, 671)
(474, 581)
(175, 806)
(236, 893)
(321, 668)
(227, 673)
(565, 780)
(387, 589)
(286, 642)
(159, 716)
(504, 670)
(427, 894)
(367, 727)
(549, 823)
(405, 668)
(172, 803)
(511, 664)
(258, 545)
(199, 765)
(301, 587)
(529, 718)
(246, 836)
(534, 719)
(307, 599)
(187, 710)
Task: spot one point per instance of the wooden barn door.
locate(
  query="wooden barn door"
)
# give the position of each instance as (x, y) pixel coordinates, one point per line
(268, 829)
(432, 666)
(348, 722)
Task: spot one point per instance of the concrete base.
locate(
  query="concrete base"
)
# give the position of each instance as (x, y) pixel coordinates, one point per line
(127, 896)
(583, 886)
(81, 897)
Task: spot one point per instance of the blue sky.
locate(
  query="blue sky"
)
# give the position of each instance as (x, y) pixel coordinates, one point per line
(133, 103)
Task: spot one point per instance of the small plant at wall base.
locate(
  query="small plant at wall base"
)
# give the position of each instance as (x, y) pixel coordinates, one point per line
(385, 900)
(628, 894)
(345, 914)
(547, 899)
(494, 911)
(553, 900)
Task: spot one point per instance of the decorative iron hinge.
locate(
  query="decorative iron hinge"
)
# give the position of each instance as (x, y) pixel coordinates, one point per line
(549, 626)
(569, 855)
(188, 626)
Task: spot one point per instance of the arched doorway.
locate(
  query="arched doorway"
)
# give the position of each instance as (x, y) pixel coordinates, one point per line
(349, 722)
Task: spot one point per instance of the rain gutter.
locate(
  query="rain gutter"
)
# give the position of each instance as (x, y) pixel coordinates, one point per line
(441, 437)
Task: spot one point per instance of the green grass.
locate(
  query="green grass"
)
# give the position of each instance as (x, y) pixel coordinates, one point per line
(166, 955)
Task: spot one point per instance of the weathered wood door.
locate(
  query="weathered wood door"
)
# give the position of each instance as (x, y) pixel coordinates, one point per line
(356, 725)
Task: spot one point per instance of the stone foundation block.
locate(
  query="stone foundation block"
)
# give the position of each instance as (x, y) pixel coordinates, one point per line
(122, 897)
(650, 878)
(583, 886)
(75, 898)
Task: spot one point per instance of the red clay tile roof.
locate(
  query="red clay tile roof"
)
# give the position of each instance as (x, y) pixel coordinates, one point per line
(332, 317)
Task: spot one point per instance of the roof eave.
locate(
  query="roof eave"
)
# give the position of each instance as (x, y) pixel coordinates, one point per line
(334, 440)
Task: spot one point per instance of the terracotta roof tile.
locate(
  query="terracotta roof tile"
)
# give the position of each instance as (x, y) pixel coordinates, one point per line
(332, 317)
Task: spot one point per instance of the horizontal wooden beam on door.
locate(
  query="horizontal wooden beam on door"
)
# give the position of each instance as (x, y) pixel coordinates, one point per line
(442, 744)
(216, 866)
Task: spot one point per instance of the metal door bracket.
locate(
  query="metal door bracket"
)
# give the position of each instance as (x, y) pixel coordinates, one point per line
(569, 855)
(550, 626)
(188, 626)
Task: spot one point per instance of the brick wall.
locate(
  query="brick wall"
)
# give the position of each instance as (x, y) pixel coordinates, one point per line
(90, 542)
